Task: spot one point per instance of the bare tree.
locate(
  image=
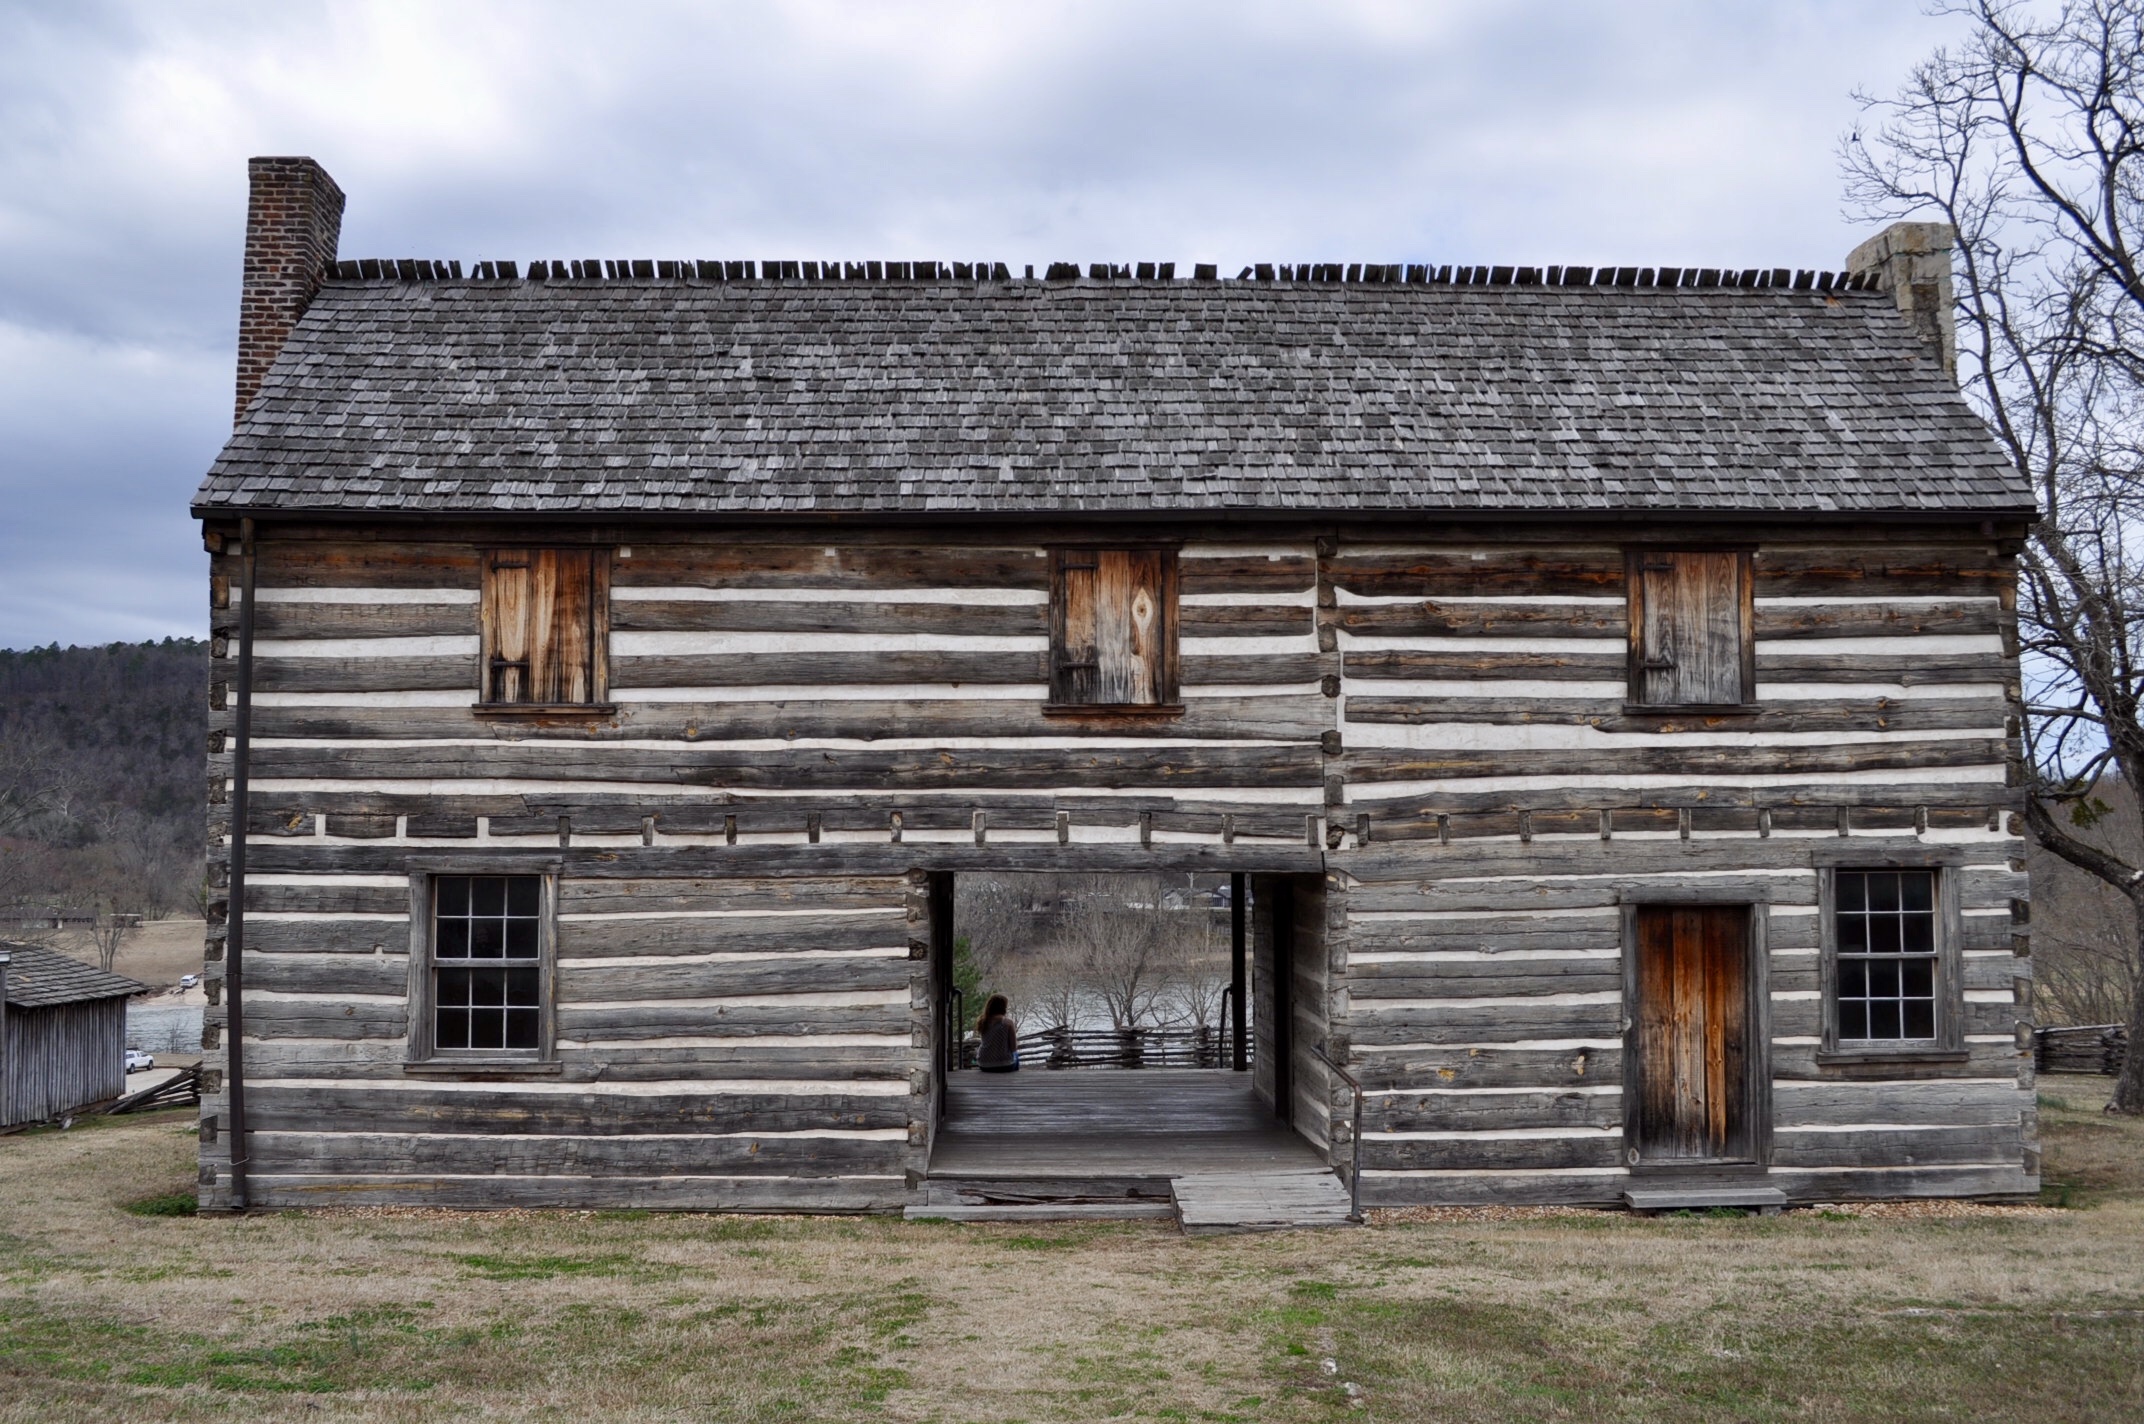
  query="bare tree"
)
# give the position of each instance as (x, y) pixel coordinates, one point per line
(1109, 929)
(2029, 139)
(109, 931)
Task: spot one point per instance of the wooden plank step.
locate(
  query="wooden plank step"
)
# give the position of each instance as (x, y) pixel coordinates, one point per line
(1652, 1199)
(1211, 1203)
(1043, 1211)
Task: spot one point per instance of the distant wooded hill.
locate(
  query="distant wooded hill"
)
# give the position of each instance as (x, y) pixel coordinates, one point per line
(102, 767)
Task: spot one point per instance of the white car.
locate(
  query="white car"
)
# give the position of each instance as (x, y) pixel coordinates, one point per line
(187, 981)
(138, 1061)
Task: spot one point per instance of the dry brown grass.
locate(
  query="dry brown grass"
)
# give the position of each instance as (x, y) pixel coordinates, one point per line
(413, 1316)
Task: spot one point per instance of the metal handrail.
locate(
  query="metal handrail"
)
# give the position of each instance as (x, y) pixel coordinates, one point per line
(1354, 1136)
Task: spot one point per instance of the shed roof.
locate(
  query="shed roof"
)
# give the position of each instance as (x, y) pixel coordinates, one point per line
(41, 978)
(686, 396)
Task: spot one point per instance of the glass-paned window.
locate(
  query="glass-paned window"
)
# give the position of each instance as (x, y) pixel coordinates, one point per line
(1886, 937)
(487, 970)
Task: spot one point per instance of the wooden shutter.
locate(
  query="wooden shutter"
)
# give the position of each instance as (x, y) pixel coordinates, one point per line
(1113, 628)
(546, 617)
(1690, 634)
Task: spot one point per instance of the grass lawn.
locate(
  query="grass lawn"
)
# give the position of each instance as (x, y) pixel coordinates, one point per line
(108, 1313)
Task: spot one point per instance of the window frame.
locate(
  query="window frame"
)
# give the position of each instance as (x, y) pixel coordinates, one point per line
(1168, 681)
(1949, 1040)
(602, 558)
(422, 1054)
(1634, 558)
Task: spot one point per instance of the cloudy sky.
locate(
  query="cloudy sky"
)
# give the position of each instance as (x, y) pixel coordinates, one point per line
(1683, 132)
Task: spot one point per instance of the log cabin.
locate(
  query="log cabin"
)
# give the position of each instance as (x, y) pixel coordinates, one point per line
(1601, 682)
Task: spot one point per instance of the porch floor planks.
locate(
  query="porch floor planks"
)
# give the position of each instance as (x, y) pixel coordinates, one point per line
(1248, 1171)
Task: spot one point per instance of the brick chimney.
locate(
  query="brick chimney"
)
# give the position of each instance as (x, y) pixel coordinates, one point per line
(1911, 261)
(293, 221)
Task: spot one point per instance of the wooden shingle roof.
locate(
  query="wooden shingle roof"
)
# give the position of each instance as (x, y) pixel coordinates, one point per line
(1118, 396)
(40, 978)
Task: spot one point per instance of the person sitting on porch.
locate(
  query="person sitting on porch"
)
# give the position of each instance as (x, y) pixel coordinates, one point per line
(1000, 1052)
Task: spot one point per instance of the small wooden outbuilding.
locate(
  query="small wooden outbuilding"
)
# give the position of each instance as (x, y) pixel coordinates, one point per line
(63, 1033)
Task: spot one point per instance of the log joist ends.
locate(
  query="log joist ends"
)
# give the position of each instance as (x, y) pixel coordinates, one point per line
(1703, 821)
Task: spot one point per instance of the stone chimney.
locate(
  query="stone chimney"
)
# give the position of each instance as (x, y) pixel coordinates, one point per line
(1911, 261)
(293, 221)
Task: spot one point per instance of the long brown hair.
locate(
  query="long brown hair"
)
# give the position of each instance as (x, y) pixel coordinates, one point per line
(995, 1007)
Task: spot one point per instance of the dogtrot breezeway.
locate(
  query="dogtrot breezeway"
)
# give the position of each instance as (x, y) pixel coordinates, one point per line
(1197, 1145)
(1215, 1115)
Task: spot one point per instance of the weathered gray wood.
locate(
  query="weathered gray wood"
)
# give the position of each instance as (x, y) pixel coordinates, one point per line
(430, 1153)
(1608, 715)
(1429, 667)
(771, 974)
(1921, 670)
(1601, 1189)
(1219, 1203)
(1301, 716)
(1498, 933)
(596, 939)
(1542, 1068)
(643, 670)
(328, 936)
(355, 620)
(328, 973)
(599, 1022)
(1248, 620)
(1432, 619)
(971, 620)
(1833, 1103)
(1464, 1111)
(422, 673)
(1517, 894)
(808, 563)
(684, 892)
(1976, 796)
(1372, 1023)
(1845, 570)
(843, 768)
(1369, 985)
(1721, 761)
(505, 1107)
(748, 1055)
(1483, 1153)
(635, 862)
(1936, 1146)
(658, 1193)
(1862, 620)
(331, 899)
(1247, 573)
(1581, 572)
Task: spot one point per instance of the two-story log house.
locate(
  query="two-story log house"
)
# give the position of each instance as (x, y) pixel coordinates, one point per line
(1604, 681)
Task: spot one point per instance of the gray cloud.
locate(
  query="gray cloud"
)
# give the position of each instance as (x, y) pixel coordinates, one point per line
(1229, 131)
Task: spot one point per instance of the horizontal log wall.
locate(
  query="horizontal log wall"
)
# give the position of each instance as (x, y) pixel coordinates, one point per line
(1512, 802)
(1440, 725)
(734, 1026)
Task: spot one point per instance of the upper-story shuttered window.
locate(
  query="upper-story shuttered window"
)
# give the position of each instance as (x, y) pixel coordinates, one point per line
(1113, 629)
(1691, 642)
(546, 624)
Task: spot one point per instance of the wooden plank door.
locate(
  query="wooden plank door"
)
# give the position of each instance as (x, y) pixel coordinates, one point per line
(1693, 1033)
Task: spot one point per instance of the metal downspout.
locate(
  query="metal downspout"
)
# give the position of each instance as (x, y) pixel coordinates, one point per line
(235, 917)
